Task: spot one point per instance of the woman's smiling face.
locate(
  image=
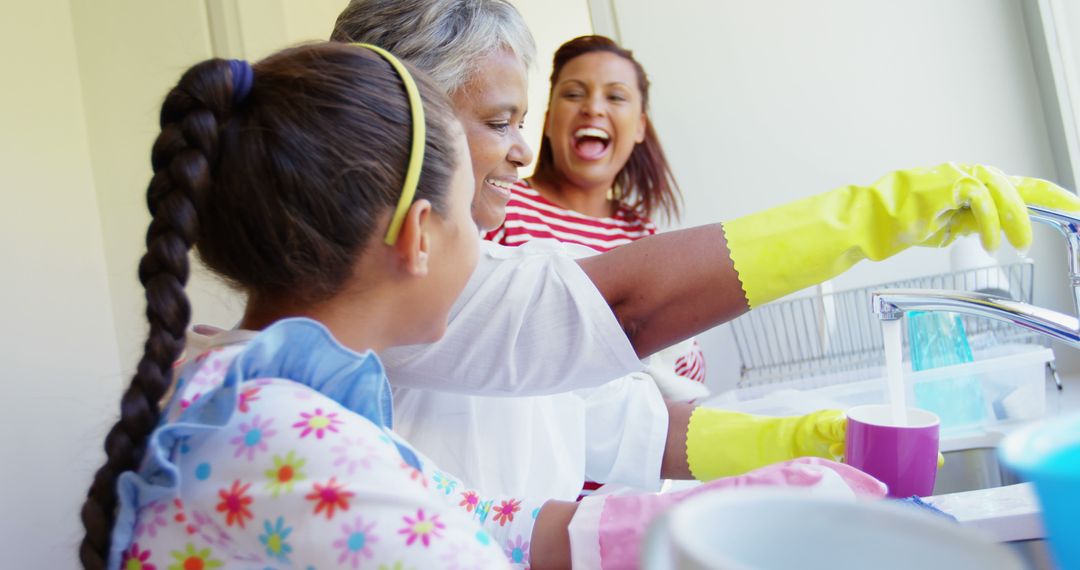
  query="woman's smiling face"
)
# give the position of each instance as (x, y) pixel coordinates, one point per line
(491, 108)
(595, 118)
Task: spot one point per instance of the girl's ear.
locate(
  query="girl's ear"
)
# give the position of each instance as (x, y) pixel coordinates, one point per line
(639, 136)
(413, 244)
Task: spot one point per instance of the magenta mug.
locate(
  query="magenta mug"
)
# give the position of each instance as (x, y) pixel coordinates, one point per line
(902, 457)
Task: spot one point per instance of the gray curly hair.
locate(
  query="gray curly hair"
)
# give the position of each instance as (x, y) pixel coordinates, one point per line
(445, 38)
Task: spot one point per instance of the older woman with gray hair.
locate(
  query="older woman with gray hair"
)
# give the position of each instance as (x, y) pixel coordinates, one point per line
(479, 51)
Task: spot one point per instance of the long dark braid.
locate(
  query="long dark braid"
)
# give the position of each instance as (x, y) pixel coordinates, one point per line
(182, 159)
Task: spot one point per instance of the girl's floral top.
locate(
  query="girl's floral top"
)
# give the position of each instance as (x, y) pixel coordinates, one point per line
(277, 453)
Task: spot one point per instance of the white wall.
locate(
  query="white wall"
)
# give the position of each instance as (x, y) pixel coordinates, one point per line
(61, 372)
(759, 103)
(1060, 33)
(123, 88)
(1071, 20)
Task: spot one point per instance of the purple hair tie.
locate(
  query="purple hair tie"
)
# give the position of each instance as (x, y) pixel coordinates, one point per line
(242, 78)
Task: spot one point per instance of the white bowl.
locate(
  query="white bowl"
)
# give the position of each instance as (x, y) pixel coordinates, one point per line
(783, 529)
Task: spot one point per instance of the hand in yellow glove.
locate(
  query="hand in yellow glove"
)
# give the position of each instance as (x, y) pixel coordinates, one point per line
(790, 247)
(721, 443)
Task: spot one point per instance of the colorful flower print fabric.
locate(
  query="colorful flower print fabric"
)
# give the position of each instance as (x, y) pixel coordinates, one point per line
(294, 479)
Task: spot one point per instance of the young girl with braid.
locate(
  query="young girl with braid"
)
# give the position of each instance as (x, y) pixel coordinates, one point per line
(314, 183)
(334, 190)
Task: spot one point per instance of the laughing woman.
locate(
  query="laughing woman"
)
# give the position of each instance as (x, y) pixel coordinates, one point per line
(602, 176)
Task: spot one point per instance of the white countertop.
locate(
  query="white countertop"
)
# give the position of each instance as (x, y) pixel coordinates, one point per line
(1003, 514)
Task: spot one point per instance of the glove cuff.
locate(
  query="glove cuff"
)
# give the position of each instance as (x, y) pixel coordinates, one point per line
(790, 247)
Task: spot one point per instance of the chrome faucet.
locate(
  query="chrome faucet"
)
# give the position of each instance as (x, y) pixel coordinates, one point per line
(890, 304)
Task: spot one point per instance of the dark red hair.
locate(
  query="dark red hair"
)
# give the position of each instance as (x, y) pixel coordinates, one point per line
(646, 184)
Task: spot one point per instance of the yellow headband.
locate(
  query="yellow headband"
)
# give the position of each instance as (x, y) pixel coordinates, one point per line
(416, 154)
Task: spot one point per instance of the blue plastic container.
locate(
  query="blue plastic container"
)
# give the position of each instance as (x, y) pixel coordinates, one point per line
(1048, 455)
(937, 339)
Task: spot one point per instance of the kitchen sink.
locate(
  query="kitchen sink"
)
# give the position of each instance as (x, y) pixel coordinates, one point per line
(970, 470)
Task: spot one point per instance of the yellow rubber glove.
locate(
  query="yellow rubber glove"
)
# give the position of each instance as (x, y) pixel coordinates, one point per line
(721, 443)
(790, 247)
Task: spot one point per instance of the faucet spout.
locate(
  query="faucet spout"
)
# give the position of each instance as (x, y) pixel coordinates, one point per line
(890, 304)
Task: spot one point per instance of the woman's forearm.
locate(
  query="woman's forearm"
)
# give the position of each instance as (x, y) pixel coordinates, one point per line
(669, 287)
(674, 464)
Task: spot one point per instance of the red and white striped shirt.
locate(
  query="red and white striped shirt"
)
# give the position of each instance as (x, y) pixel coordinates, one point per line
(530, 216)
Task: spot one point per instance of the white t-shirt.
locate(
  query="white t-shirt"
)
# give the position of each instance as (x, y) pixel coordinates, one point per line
(541, 446)
(530, 322)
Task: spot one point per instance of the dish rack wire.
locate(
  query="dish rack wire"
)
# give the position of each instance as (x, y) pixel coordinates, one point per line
(837, 336)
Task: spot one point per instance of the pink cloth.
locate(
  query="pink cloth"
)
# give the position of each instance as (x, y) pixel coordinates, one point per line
(625, 518)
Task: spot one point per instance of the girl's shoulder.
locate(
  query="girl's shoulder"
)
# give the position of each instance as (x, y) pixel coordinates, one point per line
(298, 351)
(199, 376)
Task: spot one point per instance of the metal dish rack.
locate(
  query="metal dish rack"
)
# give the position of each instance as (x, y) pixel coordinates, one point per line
(832, 338)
